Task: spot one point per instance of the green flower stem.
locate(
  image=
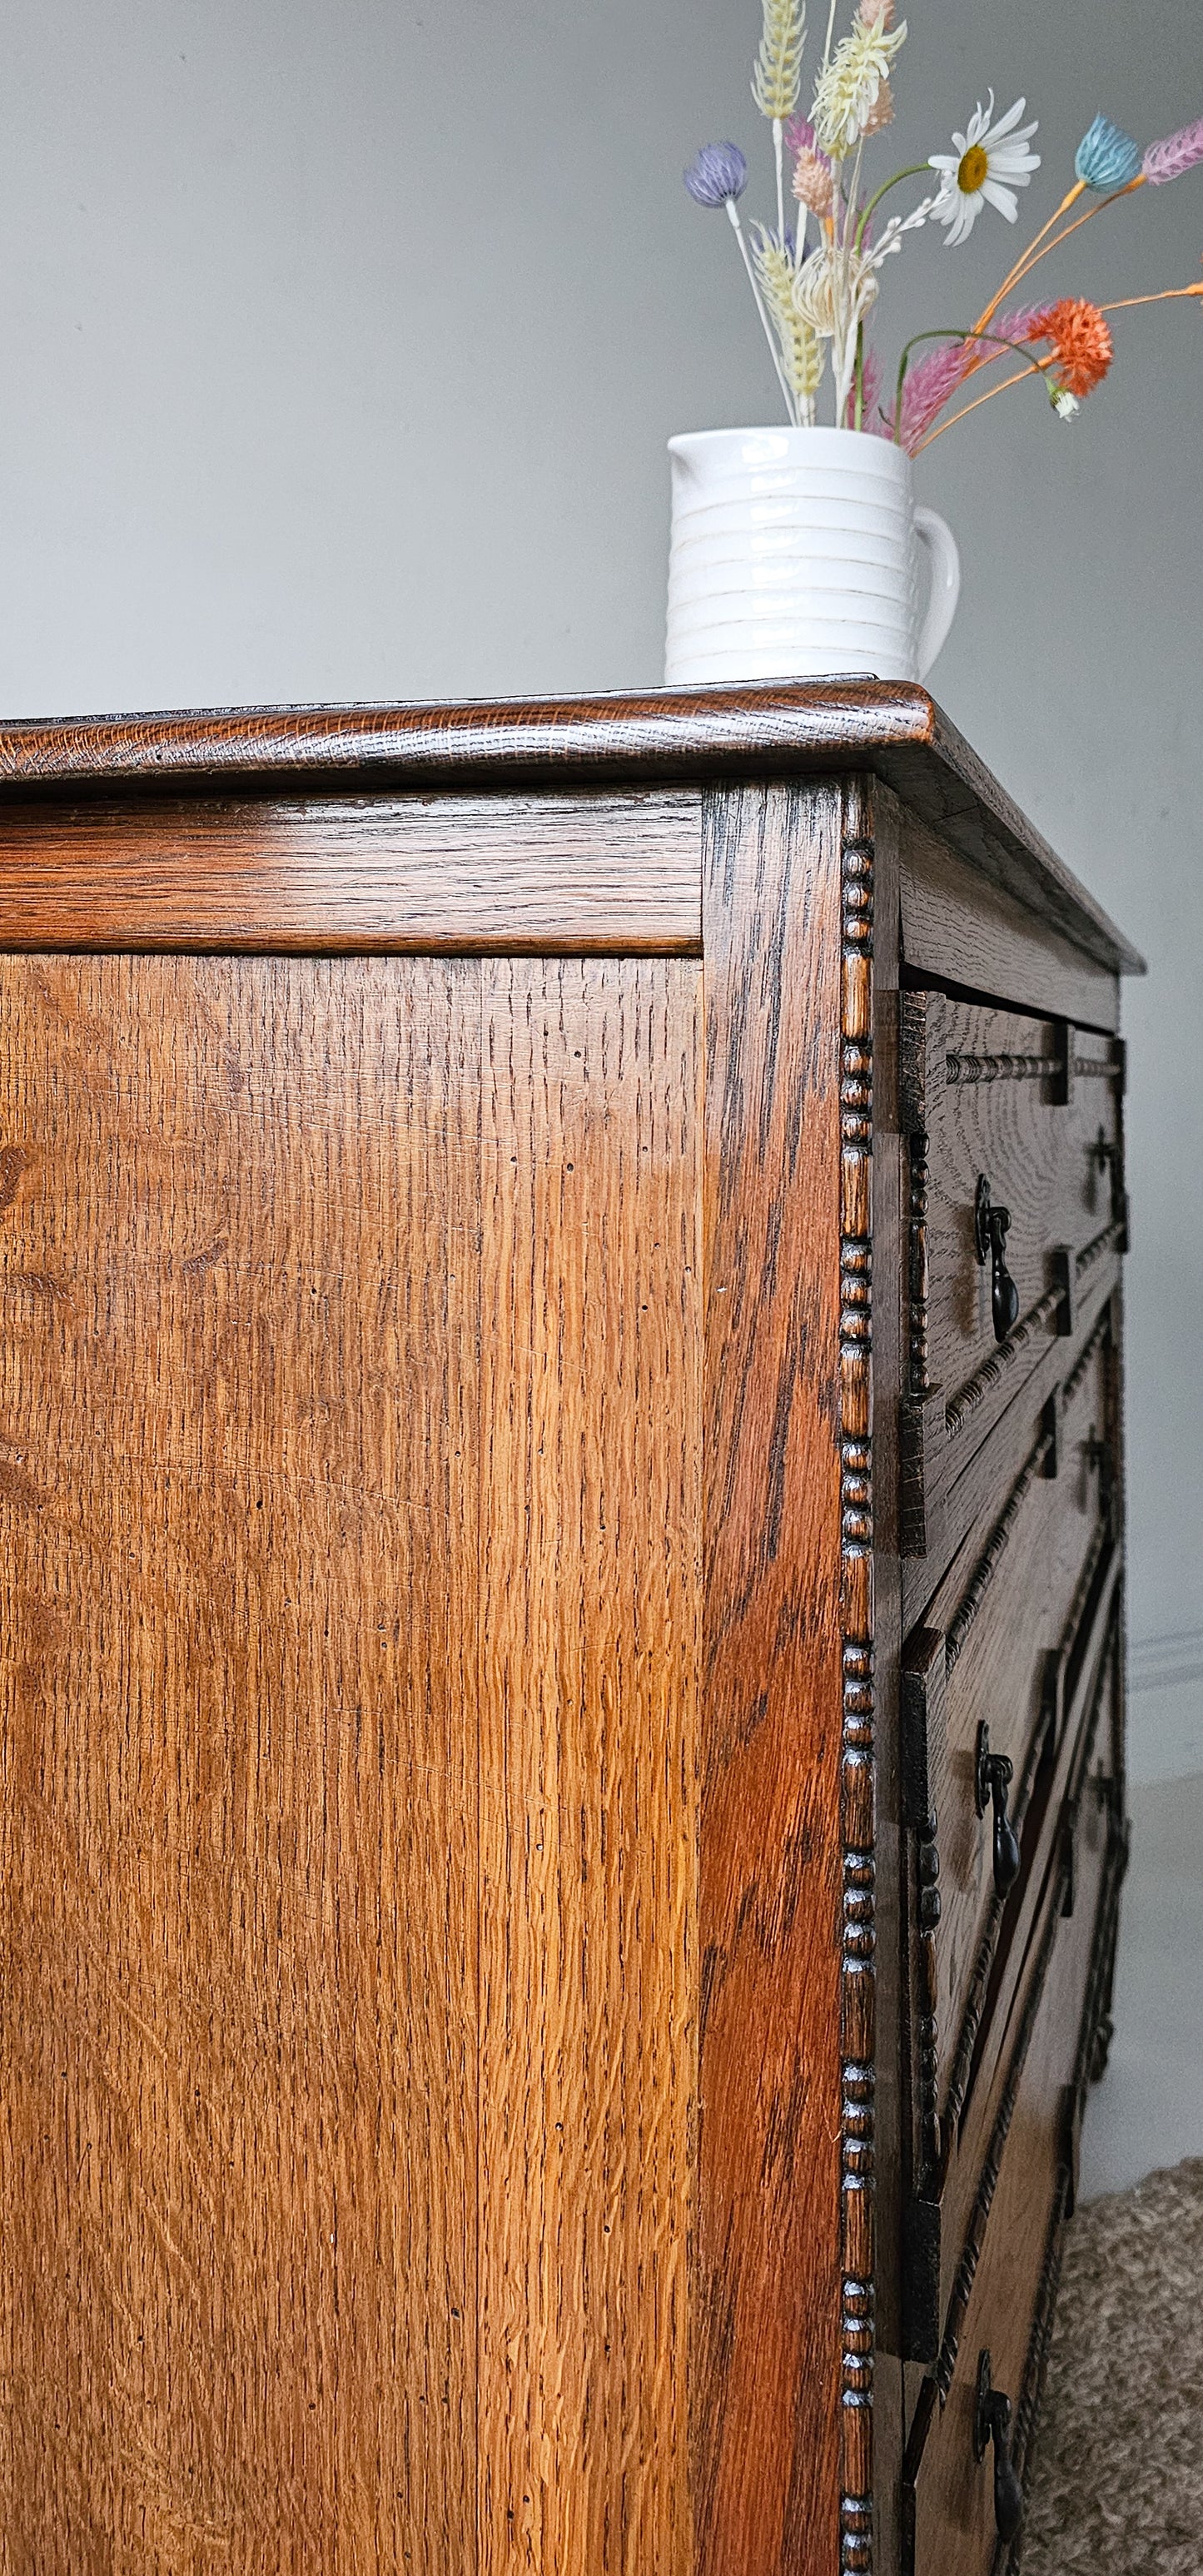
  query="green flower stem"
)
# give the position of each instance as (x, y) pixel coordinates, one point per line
(999, 339)
(918, 171)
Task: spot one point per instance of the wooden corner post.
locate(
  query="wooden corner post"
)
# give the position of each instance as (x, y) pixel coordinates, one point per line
(783, 2362)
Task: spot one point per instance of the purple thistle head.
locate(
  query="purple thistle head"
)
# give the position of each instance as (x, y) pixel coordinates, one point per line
(800, 135)
(1179, 152)
(1106, 157)
(719, 173)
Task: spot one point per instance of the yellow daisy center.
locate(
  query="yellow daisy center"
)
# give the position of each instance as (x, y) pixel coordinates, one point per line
(974, 167)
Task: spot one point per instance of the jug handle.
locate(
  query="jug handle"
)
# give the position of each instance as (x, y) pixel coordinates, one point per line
(944, 564)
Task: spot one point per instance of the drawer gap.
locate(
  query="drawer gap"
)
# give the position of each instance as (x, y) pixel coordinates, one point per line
(916, 979)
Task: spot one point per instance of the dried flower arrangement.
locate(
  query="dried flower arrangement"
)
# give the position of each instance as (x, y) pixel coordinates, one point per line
(814, 295)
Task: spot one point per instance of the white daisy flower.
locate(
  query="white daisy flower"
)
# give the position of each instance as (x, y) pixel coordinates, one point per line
(990, 162)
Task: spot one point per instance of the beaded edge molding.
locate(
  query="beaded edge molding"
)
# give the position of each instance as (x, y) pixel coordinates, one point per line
(858, 1744)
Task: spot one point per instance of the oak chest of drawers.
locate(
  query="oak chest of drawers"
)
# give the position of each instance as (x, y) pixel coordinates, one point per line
(561, 1476)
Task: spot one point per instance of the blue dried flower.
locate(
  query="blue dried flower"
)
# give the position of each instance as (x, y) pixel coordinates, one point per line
(1106, 157)
(719, 173)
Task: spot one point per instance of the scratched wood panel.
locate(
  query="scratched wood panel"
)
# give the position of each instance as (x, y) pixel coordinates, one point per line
(768, 2343)
(237, 1502)
(330, 872)
(591, 1343)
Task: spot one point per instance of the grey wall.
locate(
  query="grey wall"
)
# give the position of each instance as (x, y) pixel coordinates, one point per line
(341, 342)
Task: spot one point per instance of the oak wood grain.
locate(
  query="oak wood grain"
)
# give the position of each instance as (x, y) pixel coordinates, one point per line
(369, 872)
(588, 1619)
(1008, 1602)
(974, 1497)
(889, 728)
(768, 2335)
(988, 1109)
(457, 2048)
(958, 930)
(1084, 1730)
(239, 1792)
(954, 2528)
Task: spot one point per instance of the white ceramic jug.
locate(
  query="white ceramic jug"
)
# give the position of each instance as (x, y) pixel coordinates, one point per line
(797, 553)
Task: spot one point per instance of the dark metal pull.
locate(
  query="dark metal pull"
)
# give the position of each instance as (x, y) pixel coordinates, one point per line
(992, 2423)
(1100, 1454)
(994, 1771)
(991, 1226)
(1103, 1152)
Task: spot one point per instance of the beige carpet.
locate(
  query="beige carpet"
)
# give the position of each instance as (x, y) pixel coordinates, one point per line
(1117, 2486)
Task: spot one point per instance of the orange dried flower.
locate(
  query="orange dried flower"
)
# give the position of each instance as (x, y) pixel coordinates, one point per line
(1082, 344)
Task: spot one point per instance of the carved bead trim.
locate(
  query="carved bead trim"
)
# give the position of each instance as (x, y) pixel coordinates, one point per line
(983, 1573)
(1003, 1068)
(1101, 1068)
(858, 1751)
(1085, 1356)
(1032, 2384)
(1007, 2561)
(962, 2062)
(988, 2182)
(927, 2028)
(975, 2234)
(1111, 1239)
(918, 1286)
(976, 1388)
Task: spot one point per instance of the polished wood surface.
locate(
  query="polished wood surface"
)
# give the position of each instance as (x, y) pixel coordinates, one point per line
(963, 931)
(1024, 2191)
(891, 729)
(369, 872)
(240, 2226)
(586, 1708)
(769, 2254)
(350, 1760)
(474, 1535)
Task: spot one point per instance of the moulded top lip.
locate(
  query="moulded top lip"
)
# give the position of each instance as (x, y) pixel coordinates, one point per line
(782, 429)
(662, 736)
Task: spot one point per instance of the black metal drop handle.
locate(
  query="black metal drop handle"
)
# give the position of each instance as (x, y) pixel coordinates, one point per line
(992, 2423)
(994, 1772)
(991, 1226)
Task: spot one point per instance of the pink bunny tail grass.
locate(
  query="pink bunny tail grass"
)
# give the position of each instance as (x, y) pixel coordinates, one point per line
(870, 416)
(1179, 152)
(930, 384)
(926, 388)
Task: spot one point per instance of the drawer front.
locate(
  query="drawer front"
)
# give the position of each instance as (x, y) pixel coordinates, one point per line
(1006, 2274)
(1082, 1735)
(1017, 1216)
(983, 1697)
